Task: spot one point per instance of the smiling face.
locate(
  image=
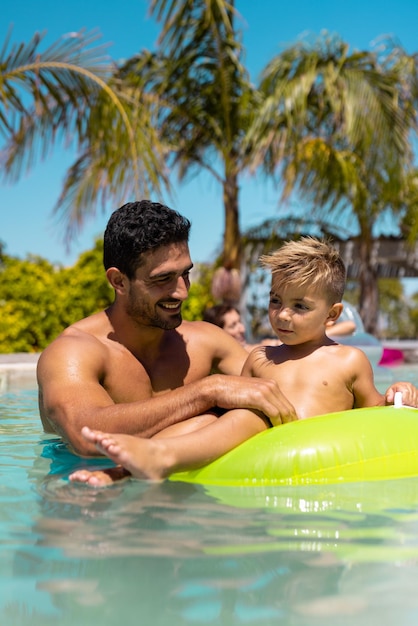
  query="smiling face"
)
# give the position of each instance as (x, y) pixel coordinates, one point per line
(299, 314)
(232, 324)
(161, 284)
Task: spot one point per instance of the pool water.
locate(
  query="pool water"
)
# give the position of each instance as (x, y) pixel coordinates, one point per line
(176, 554)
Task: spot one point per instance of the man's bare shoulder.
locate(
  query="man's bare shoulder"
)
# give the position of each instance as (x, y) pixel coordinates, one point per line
(199, 326)
(210, 334)
(207, 342)
(200, 329)
(85, 338)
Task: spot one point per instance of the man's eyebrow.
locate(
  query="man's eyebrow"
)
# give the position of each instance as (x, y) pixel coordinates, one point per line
(171, 273)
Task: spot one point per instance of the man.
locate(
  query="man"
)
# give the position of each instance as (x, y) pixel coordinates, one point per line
(137, 368)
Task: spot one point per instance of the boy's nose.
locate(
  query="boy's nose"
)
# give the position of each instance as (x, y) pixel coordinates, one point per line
(283, 313)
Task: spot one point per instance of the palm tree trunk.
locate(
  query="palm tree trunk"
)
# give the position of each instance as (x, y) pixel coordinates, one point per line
(227, 283)
(369, 291)
(232, 235)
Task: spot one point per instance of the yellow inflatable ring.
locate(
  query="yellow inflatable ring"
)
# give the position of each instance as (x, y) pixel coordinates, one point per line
(378, 443)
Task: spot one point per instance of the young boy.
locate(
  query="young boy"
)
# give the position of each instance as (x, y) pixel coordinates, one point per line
(318, 375)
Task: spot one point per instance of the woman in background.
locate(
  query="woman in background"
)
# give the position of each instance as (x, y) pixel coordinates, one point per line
(229, 319)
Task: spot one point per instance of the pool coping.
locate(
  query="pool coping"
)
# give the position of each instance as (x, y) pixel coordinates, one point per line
(18, 371)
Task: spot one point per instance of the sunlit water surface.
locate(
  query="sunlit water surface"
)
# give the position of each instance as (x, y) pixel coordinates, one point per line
(177, 554)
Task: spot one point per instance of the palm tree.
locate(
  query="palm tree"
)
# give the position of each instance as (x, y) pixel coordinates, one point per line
(337, 128)
(204, 98)
(67, 92)
(186, 109)
(333, 126)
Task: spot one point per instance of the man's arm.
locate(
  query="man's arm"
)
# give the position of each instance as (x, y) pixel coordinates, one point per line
(72, 395)
(260, 394)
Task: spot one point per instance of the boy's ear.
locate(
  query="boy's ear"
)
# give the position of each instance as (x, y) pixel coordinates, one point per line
(334, 313)
(116, 279)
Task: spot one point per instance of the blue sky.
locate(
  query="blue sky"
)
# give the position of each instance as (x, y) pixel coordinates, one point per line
(269, 26)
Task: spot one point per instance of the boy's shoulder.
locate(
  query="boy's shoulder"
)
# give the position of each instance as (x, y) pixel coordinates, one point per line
(349, 353)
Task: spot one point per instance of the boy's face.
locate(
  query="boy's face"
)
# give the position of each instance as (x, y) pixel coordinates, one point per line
(300, 314)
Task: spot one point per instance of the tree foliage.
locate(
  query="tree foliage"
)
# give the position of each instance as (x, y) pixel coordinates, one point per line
(398, 313)
(203, 96)
(38, 300)
(67, 93)
(335, 126)
(200, 296)
(338, 127)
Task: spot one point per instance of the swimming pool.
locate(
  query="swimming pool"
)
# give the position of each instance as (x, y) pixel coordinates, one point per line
(175, 554)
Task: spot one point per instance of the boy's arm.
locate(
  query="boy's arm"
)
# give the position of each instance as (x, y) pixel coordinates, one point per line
(256, 355)
(365, 393)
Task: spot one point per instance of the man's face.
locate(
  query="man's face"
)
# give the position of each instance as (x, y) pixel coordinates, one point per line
(160, 286)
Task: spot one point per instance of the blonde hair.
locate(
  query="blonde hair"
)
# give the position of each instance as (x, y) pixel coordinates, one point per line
(308, 261)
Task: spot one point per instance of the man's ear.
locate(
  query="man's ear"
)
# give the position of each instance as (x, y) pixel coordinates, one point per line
(334, 313)
(117, 279)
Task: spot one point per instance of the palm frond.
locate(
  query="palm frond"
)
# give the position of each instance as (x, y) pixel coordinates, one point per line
(67, 93)
(36, 82)
(104, 171)
(182, 21)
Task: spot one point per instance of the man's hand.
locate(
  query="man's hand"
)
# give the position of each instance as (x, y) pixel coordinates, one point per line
(409, 394)
(233, 392)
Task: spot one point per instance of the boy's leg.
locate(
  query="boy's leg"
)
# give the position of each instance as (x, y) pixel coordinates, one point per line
(156, 459)
(187, 426)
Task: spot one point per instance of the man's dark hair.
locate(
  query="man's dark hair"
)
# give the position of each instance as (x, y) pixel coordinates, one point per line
(138, 227)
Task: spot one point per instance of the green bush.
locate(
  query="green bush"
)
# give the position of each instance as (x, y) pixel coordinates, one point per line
(38, 300)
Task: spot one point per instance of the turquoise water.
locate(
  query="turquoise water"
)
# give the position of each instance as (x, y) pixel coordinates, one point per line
(174, 554)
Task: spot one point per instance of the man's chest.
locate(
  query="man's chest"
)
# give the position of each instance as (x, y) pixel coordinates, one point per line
(129, 379)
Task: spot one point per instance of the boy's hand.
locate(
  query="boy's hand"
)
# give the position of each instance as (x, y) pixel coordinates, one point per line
(409, 394)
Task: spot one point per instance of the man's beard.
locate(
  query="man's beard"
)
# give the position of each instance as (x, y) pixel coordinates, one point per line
(147, 316)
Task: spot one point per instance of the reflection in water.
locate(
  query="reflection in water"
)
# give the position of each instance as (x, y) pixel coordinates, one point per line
(174, 554)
